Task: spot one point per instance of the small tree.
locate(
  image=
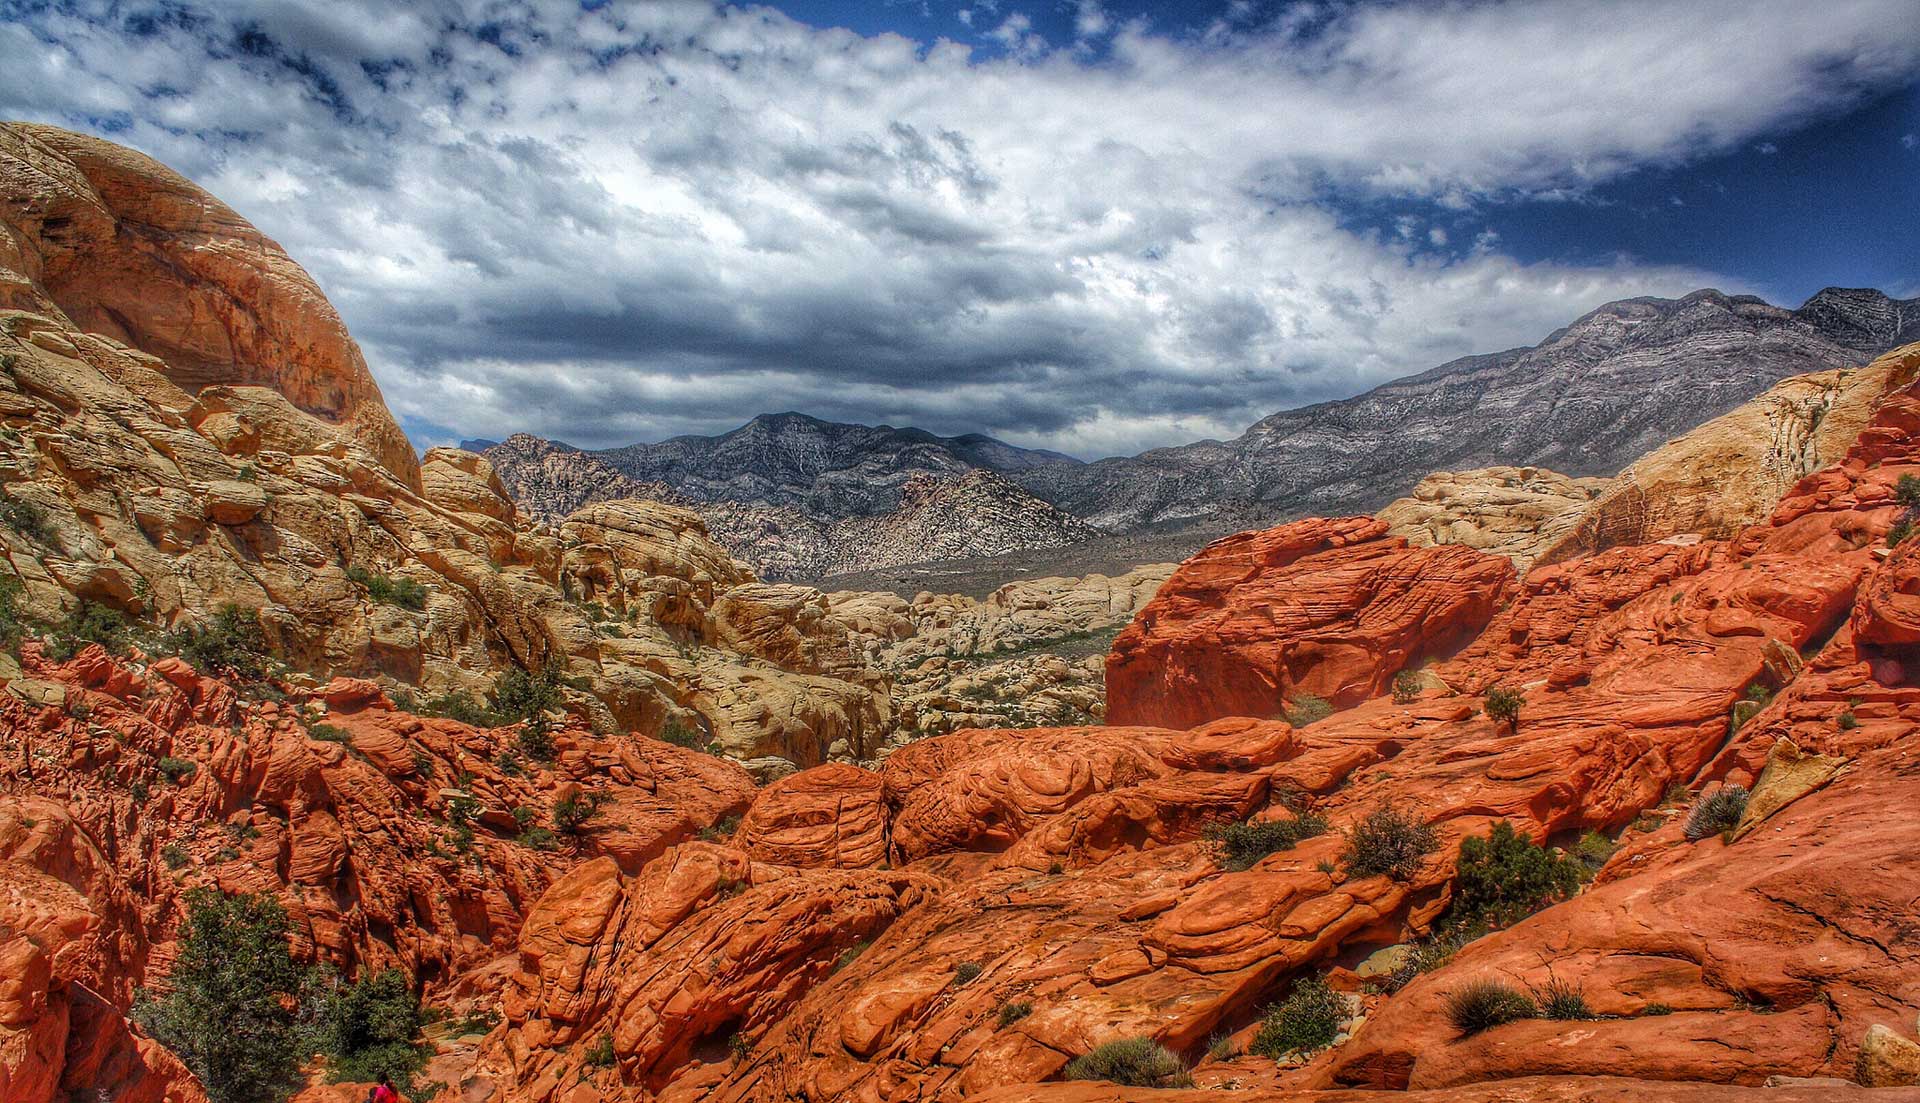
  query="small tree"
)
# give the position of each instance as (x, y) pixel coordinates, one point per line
(1309, 1019)
(572, 814)
(229, 642)
(371, 1028)
(1406, 687)
(1238, 846)
(1503, 706)
(229, 1008)
(1503, 878)
(1388, 841)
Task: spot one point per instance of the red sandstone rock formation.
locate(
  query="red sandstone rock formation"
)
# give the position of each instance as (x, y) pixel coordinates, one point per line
(1332, 608)
(125, 247)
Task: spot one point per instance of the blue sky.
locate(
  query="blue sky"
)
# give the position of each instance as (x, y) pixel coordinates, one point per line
(1091, 225)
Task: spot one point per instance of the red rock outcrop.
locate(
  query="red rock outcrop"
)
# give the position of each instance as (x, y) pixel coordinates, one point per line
(127, 248)
(1332, 608)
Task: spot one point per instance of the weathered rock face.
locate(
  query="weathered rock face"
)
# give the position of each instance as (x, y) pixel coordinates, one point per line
(1517, 512)
(120, 246)
(392, 841)
(1029, 655)
(1733, 470)
(1328, 608)
(1065, 874)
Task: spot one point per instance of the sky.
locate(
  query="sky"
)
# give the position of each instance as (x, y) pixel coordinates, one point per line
(1097, 226)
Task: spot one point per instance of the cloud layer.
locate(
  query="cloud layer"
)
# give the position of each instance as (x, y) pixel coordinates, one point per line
(616, 223)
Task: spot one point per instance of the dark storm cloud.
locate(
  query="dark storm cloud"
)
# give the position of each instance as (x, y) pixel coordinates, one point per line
(628, 221)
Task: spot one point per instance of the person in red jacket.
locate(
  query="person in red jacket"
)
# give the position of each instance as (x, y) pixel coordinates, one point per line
(383, 1091)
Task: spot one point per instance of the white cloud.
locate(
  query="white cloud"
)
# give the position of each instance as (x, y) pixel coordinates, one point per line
(645, 219)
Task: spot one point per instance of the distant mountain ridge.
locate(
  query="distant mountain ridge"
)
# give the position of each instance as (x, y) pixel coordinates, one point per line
(1593, 396)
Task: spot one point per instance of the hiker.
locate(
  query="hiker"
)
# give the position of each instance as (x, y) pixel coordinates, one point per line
(383, 1091)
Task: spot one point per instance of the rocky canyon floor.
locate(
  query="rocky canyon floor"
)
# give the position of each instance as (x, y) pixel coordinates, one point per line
(1529, 788)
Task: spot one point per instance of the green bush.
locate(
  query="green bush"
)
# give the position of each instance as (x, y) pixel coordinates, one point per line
(1406, 687)
(1012, 1012)
(535, 738)
(230, 642)
(87, 624)
(174, 855)
(228, 1009)
(1307, 708)
(1898, 534)
(600, 1054)
(1388, 842)
(1132, 1062)
(403, 592)
(1657, 1009)
(370, 1029)
(27, 519)
(1593, 850)
(572, 814)
(177, 770)
(328, 733)
(1504, 877)
(1238, 846)
(966, 971)
(1717, 813)
(1906, 491)
(1308, 1020)
(1428, 955)
(1564, 1000)
(690, 737)
(1503, 706)
(538, 838)
(521, 694)
(1484, 1004)
(1848, 721)
(13, 623)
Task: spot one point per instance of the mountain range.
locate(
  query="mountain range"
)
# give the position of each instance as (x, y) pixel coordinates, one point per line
(781, 490)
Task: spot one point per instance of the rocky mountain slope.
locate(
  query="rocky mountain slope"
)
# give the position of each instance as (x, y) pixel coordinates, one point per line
(1585, 402)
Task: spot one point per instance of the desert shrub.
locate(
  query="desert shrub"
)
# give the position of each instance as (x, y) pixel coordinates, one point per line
(521, 694)
(720, 830)
(535, 738)
(1406, 686)
(1220, 1047)
(229, 1006)
(458, 705)
(403, 592)
(1388, 842)
(138, 791)
(229, 642)
(174, 855)
(1427, 955)
(1504, 877)
(600, 1054)
(1593, 850)
(1898, 534)
(572, 814)
(538, 838)
(1132, 1062)
(13, 622)
(1906, 491)
(88, 623)
(177, 770)
(966, 971)
(371, 1028)
(1307, 708)
(1503, 706)
(1559, 999)
(1848, 721)
(1657, 1009)
(1012, 1012)
(1716, 813)
(27, 519)
(1484, 1004)
(692, 737)
(1307, 1020)
(1238, 846)
(328, 733)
